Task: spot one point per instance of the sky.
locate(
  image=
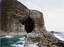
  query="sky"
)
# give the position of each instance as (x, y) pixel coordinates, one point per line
(53, 11)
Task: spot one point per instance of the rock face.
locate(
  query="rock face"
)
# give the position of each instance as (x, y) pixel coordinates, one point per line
(12, 18)
(38, 18)
(15, 13)
(45, 39)
(12, 10)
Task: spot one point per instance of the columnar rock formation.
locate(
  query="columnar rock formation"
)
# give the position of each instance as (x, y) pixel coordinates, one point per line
(13, 16)
(14, 13)
(10, 10)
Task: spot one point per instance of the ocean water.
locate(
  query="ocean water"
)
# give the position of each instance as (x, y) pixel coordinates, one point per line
(59, 35)
(22, 39)
(15, 41)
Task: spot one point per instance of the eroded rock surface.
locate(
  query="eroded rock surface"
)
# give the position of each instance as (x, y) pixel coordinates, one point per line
(12, 20)
(12, 12)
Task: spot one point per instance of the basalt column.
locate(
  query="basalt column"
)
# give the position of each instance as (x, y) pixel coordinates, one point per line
(12, 10)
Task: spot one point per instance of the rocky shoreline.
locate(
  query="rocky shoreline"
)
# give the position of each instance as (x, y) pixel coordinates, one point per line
(12, 23)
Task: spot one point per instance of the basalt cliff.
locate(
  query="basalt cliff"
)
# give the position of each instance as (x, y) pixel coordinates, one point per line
(14, 14)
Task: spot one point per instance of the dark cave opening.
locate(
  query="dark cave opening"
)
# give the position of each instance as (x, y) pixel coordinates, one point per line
(29, 25)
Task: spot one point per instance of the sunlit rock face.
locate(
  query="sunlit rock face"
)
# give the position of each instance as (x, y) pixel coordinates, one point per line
(38, 18)
(12, 12)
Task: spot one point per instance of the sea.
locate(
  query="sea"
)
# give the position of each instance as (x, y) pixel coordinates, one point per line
(22, 40)
(15, 41)
(59, 35)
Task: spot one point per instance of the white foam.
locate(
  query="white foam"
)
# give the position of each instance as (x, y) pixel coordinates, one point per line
(8, 36)
(59, 37)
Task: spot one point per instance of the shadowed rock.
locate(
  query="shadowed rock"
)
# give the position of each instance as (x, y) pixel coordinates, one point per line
(29, 25)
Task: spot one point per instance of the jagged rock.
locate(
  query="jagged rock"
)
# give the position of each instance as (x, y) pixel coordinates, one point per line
(46, 38)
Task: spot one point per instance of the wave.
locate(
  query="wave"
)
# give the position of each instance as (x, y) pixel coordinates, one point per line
(59, 35)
